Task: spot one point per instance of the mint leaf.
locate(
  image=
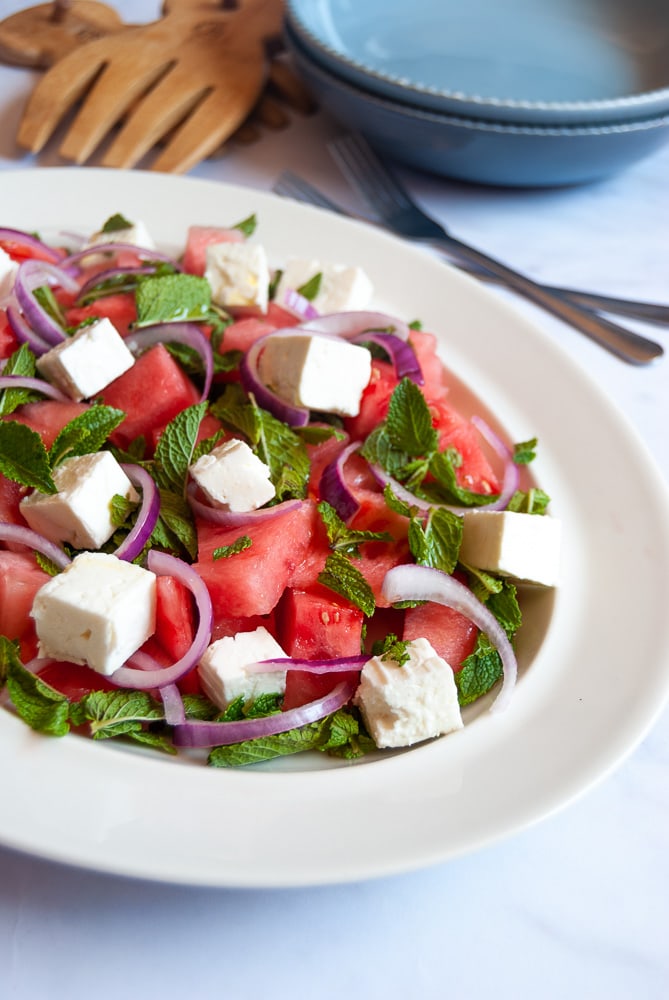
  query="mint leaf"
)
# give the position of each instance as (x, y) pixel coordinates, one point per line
(409, 422)
(445, 488)
(310, 289)
(115, 223)
(174, 450)
(525, 452)
(23, 457)
(115, 713)
(479, 672)
(124, 282)
(239, 544)
(168, 298)
(315, 433)
(344, 539)
(9, 653)
(86, 433)
(175, 528)
(50, 304)
(39, 705)
(120, 509)
(436, 544)
(344, 578)
(247, 226)
(21, 362)
(504, 605)
(535, 501)
(391, 648)
(197, 706)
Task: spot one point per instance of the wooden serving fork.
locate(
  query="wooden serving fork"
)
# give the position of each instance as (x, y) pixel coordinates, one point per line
(196, 74)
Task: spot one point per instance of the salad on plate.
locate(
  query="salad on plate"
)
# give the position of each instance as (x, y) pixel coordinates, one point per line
(239, 515)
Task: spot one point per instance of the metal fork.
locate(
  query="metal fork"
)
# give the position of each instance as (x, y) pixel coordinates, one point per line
(291, 185)
(398, 212)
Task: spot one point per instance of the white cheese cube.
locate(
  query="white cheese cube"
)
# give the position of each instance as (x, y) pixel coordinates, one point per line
(137, 234)
(525, 547)
(8, 269)
(223, 671)
(80, 512)
(233, 478)
(238, 274)
(321, 373)
(86, 363)
(402, 705)
(341, 287)
(98, 611)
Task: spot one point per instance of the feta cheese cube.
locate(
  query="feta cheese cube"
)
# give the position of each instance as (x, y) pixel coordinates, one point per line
(136, 234)
(238, 274)
(402, 705)
(80, 512)
(86, 363)
(523, 546)
(8, 269)
(233, 478)
(321, 373)
(98, 611)
(223, 671)
(341, 287)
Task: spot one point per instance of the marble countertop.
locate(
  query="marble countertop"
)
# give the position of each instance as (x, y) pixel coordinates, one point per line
(577, 905)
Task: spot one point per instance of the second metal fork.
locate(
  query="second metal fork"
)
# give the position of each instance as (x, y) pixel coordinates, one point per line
(399, 213)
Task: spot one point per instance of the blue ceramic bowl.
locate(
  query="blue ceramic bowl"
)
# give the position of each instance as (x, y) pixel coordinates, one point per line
(480, 151)
(524, 62)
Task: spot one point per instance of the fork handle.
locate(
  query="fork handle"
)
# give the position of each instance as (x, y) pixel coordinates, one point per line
(625, 344)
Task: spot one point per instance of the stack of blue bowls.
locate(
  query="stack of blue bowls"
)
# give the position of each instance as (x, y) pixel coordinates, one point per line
(504, 92)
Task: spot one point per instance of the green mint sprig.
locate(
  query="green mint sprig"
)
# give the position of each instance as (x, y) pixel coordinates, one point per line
(344, 539)
(341, 576)
(239, 545)
(21, 362)
(168, 298)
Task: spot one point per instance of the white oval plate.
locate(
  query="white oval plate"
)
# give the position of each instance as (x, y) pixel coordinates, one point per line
(588, 692)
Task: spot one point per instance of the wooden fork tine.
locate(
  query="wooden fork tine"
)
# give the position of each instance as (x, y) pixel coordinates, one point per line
(120, 84)
(210, 124)
(158, 112)
(54, 94)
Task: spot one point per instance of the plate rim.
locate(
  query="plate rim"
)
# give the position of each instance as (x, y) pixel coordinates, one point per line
(120, 837)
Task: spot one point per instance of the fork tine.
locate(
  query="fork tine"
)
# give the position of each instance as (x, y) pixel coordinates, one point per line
(119, 85)
(361, 166)
(292, 186)
(163, 108)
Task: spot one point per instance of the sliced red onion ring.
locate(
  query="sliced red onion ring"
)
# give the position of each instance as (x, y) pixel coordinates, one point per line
(34, 274)
(300, 306)
(422, 583)
(401, 353)
(109, 275)
(28, 240)
(342, 665)
(163, 564)
(175, 714)
(333, 487)
(25, 333)
(17, 534)
(136, 539)
(36, 384)
(232, 519)
(511, 476)
(294, 416)
(188, 334)
(112, 248)
(216, 734)
(353, 324)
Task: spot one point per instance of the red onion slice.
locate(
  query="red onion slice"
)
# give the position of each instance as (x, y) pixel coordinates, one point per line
(175, 714)
(511, 475)
(342, 665)
(28, 240)
(232, 519)
(143, 253)
(401, 353)
(333, 488)
(188, 334)
(216, 734)
(109, 275)
(163, 564)
(300, 306)
(294, 416)
(422, 583)
(34, 274)
(25, 333)
(17, 534)
(36, 384)
(136, 539)
(353, 324)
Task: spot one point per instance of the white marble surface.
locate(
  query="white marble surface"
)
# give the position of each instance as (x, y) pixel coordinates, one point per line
(575, 906)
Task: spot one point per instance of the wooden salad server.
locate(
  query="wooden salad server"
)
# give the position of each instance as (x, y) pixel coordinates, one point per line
(193, 76)
(38, 36)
